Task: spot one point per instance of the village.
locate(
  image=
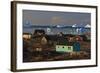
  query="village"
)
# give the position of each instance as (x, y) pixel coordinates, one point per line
(40, 46)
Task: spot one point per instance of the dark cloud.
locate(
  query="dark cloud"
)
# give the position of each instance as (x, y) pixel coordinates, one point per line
(51, 17)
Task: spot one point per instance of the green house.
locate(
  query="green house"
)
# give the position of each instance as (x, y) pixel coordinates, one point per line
(63, 48)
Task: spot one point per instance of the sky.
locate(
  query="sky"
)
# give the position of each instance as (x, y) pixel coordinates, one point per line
(54, 18)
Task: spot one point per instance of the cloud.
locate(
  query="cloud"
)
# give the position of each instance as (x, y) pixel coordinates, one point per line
(48, 17)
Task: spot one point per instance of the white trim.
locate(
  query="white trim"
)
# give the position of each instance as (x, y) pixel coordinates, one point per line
(21, 65)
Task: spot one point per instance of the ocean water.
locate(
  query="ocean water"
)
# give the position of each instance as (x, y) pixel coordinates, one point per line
(66, 30)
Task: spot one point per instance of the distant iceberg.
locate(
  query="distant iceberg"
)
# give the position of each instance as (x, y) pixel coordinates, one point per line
(88, 26)
(82, 25)
(74, 25)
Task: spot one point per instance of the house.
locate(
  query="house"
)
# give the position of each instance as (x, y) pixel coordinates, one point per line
(63, 48)
(27, 36)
